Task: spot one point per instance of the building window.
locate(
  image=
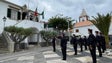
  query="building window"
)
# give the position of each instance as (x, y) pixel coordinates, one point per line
(13, 14)
(9, 13)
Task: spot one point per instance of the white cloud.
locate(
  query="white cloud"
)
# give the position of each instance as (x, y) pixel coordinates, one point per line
(47, 6)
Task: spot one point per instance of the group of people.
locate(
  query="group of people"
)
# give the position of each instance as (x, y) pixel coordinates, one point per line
(90, 43)
(94, 41)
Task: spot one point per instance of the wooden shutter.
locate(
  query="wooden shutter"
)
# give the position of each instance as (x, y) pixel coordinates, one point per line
(9, 13)
(19, 16)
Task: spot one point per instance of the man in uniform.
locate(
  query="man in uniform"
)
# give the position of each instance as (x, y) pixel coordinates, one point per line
(53, 44)
(74, 42)
(85, 42)
(98, 43)
(103, 43)
(64, 45)
(81, 43)
(92, 45)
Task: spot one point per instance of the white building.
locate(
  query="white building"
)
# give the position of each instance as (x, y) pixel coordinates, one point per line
(15, 15)
(84, 24)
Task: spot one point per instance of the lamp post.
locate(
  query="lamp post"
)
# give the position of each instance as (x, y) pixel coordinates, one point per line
(4, 20)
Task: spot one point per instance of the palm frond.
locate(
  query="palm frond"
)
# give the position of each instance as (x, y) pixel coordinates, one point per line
(102, 22)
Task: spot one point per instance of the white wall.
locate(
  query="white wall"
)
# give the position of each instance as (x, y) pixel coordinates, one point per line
(24, 23)
(3, 12)
(3, 9)
(28, 24)
(110, 31)
(84, 30)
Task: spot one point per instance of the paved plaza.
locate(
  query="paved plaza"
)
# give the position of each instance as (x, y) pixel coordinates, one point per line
(45, 55)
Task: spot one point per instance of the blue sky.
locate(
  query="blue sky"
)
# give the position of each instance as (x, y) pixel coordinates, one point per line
(71, 8)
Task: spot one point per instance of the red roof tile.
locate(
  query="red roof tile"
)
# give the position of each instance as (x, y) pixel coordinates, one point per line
(83, 23)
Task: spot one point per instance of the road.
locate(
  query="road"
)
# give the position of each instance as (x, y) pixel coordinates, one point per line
(45, 55)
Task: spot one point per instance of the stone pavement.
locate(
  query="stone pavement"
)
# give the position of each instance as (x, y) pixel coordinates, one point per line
(45, 55)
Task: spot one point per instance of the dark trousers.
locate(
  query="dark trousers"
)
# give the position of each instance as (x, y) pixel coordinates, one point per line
(54, 47)
(99, 50)
(103, 48)
(93, 54)
(81, 47)
(85, 45)
(75, 48)
(64, 52)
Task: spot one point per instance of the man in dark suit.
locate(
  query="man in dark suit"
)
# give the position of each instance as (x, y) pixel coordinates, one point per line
(85, 42)
(92, 45)
(98, 43)
(81, 43)
(64, 40)
(74, 42)
(103, 43)
(53, 44)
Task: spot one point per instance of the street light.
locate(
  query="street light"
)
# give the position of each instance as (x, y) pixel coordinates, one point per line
(4, 20)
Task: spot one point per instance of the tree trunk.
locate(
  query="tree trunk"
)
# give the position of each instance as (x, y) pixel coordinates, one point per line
(16, 47)
(47, 43)
(107, 41)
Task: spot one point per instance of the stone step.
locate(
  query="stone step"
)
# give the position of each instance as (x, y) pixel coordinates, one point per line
(5, 49)
(2, 52)
(2, 46)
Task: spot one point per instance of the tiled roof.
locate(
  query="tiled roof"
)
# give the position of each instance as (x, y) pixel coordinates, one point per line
(83, 23)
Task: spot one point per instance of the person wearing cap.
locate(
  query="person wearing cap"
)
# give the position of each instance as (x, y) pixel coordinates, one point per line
(63, 46)
(98, 43)
(92, 45)
(53, 43)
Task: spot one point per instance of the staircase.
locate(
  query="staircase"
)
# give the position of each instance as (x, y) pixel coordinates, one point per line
(3, 45)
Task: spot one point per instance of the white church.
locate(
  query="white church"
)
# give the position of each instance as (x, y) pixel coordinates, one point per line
(15, 15)
(84, 24)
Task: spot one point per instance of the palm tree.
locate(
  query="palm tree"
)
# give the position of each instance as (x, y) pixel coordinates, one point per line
(102, 22)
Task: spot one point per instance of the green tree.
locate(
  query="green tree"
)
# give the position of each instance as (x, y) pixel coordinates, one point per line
(18, 34)
(102, 22)
(60, 22)
(48, 35)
